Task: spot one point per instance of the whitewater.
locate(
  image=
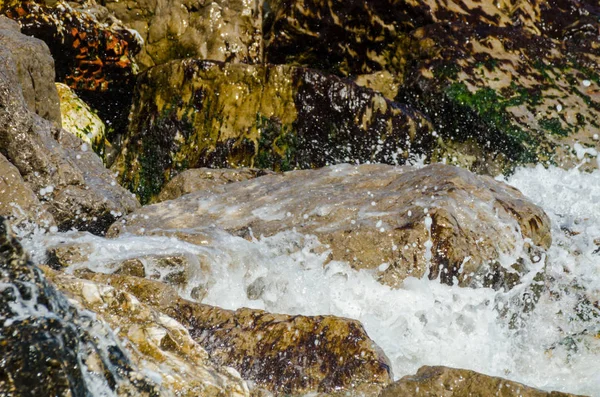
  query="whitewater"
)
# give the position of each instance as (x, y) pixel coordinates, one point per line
(553, 346)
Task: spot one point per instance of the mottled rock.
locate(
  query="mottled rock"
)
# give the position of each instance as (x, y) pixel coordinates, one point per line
(452, 382)
(221, 30)
(156, 342)
(35, 69)
(48, 346)
(503, 96)
(357, 37)
(79, 191)
(440, 221)
(205, 179)
(18, 202)
(281, 353)
(191, 114)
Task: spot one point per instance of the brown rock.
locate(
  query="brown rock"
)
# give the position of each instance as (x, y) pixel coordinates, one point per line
(281, 353)
(376, 217)
(452, 382)
(205, 179)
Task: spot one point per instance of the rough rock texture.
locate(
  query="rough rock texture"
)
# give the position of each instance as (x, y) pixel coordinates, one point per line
(283, 354)
(35, 69)
(205, 179)
(221, 30)
(48, 347)
(80, 192)
(452, 382)
(17, 202)
(157, 342)
(80, 120)
(439, 220)
(190, 114)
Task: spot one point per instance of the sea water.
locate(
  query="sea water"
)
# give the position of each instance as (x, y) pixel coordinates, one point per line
(553, 345)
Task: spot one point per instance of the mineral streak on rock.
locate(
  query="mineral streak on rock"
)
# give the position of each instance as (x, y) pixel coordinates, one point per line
(193, 113)
(48, 347)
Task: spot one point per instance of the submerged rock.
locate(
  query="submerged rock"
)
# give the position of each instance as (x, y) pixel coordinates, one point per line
(453, 382)
(49, 347)
(440, 221)
(222, 30)
(68, 175)
(191, 114)
(281, 353)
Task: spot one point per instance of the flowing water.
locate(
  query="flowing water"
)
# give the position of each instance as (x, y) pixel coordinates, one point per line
(555, 345)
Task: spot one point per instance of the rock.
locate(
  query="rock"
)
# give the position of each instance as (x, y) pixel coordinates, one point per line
(18, 202)
(191, 114)
(35, 70)
(80, 120)
(444, 381)
(48, 346)
(157, 342)
(281, 353)
(221, 30)
(79, 191)
(356, 37)
(499, 97)
(440, 221)
(205, 179)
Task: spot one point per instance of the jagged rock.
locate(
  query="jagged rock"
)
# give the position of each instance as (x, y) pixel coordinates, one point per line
(79, 191)
(205, 179)
(281, 353)
(357, 37)
(48, 346)
(439, 220)
(35, 69)
(452, 382)
(157, 342)
(17, 202)
(191, 114)
(80, 120)
(221, 30)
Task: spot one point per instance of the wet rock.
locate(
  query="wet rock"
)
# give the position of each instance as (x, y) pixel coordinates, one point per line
(281, 353)
(222, 30)
(157, 343)
(444, 381)
(440, 221)
(17, 201)
(80, 120)
(35, 69)
(79, 191)
(502, 96)
(191, 114)
(356, 37)
(48, 346)
(205, 179)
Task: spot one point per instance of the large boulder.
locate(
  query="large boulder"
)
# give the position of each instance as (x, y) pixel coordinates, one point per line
(221, 30)
(440, 221)
(191, 113)
(281, 353)
(453, 382)
(79, 191)
(48, 346)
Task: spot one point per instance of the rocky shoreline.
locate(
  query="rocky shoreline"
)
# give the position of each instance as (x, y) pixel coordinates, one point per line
(192, 121)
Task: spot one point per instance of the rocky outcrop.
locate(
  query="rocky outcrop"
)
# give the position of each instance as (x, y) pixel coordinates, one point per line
(206, 179)
(190, 114)
(281, 353)
(156, 342)
(453, 382)
(49, 347)
(34, 67)
(440, 221)
(79, 191)
(221, 30)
